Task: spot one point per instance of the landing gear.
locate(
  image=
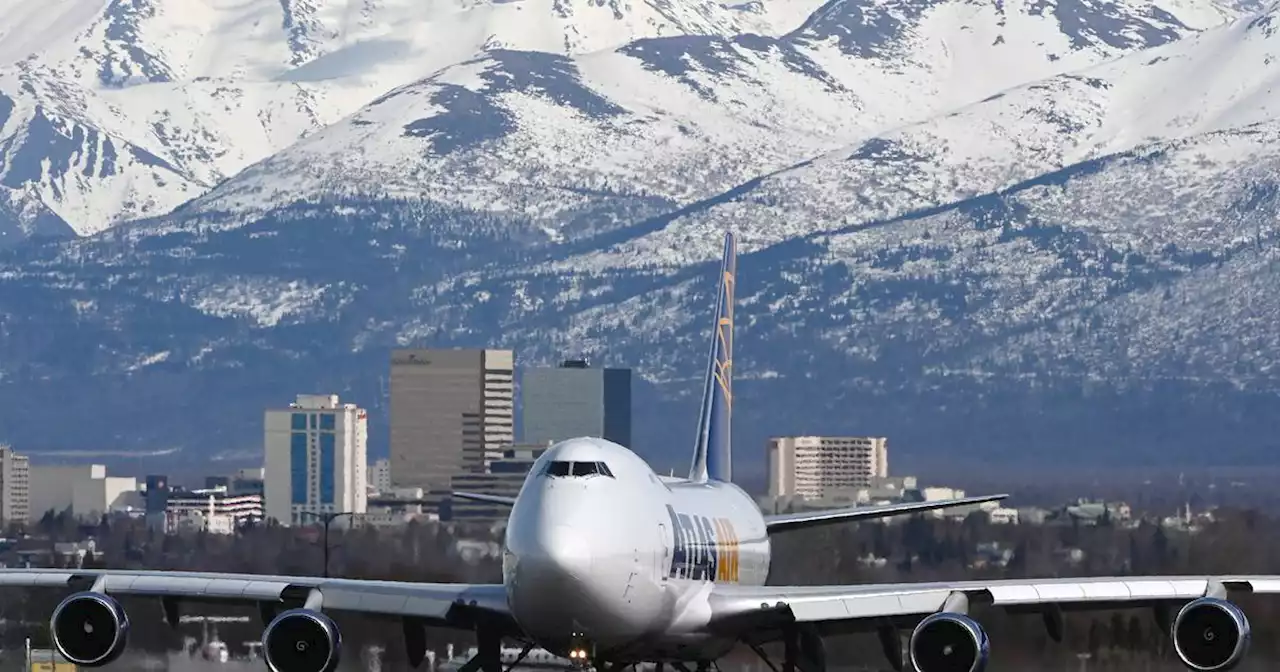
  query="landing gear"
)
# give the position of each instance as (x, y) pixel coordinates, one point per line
(803, 650)
(582, 652)
(488, 656)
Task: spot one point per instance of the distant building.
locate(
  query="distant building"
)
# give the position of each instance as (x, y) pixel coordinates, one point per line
(380, 475)
(84, 488)
(212, 510)
(15, 486)
(315, 458)
(504, 478)
(574, 400)
(451, 412)
(812, 467)
(249, 482)
(396, 507)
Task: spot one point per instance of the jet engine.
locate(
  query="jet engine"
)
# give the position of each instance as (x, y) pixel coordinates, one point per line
(301, 640)
(949, 642)
(1210, 634)
(89, 629)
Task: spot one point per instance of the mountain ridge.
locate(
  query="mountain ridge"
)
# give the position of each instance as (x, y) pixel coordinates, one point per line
(1072, 266)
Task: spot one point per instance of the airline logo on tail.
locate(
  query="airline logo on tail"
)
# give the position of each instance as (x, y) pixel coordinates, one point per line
(712, 456)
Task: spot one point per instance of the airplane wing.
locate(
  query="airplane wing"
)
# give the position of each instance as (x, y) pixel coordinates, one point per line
(439, 604)
(850, 604)
(491, 499)
(759, 614)
(791, 521)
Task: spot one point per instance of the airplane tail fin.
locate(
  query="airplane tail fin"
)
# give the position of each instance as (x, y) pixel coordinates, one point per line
(712, 454)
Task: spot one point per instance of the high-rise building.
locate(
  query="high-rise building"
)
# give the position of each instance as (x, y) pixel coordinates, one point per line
(451, 412)
(573, 400)
(315, 459)
(15, 486)
(814, 467)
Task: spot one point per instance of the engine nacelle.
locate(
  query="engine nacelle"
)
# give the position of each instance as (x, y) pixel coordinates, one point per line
(89, 629)
(1210, 634)
(301, 640)
(949, 642)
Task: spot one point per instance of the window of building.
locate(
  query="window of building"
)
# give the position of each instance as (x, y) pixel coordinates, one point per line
(298, 467)
(298, 421)
(326, 421)
(326, 468)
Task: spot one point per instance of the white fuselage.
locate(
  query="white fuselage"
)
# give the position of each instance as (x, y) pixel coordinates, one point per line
(625, 557)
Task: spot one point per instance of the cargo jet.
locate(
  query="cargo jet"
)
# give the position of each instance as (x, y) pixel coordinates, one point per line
(609, 564)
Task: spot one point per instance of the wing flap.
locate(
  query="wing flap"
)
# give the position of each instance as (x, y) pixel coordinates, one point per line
(791, 521)
(819, 604)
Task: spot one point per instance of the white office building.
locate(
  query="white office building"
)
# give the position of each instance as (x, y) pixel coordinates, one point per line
(15, 486)
(380, 475)
(212, 510)
(816, 467)
(84, 488)
(315, 459)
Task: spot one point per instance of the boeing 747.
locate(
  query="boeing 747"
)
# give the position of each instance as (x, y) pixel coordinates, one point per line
(609, 564)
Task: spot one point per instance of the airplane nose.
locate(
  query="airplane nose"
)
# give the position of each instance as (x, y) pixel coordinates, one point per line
(565, 552)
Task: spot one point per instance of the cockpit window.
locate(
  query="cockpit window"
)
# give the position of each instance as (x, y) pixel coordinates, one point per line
(566, 468)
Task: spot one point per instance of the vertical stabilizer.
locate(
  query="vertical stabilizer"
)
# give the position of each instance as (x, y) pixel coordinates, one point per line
(712, 453)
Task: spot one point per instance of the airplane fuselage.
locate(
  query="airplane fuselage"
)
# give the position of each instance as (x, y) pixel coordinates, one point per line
(625, 557)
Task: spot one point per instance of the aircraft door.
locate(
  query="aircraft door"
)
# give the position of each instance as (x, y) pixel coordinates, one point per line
(662, 554)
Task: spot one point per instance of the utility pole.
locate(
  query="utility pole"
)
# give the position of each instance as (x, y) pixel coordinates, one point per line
(327, 518)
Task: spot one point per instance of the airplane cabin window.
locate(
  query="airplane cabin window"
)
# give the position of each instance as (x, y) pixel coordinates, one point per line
(557, 468)
(604, 469)
(585, 468)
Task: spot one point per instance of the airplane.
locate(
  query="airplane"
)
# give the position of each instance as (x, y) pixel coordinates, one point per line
(611, 565)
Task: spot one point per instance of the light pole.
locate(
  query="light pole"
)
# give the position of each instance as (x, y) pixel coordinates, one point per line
(327, 518)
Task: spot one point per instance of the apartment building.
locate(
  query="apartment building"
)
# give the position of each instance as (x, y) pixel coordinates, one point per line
(815, 467)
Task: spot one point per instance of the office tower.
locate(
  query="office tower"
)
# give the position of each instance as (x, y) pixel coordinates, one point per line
(451, 412)
(315, 459)
(15, 486)
(813, 467)
(574, 400)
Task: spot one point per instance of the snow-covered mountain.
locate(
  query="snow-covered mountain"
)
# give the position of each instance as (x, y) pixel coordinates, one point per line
(125, 109)
(1004, 230)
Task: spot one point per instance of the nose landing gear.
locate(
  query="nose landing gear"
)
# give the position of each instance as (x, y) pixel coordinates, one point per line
(581, 651)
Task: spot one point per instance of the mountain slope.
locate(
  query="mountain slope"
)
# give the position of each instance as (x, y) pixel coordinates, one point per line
(1079, 267)
(190, 93)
